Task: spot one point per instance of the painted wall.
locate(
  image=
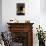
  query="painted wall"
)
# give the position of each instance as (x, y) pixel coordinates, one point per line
(0, 15)
(33, 12)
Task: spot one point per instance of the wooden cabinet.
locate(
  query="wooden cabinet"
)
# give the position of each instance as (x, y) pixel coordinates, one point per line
(22, 33)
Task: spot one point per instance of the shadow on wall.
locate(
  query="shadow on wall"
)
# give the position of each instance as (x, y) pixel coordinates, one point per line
(0, 15)
(43, 6)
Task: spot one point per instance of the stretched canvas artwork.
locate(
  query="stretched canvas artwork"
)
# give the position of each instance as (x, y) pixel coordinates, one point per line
(20, 9)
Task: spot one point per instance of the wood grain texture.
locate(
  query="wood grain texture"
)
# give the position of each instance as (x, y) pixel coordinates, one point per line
(23, 27)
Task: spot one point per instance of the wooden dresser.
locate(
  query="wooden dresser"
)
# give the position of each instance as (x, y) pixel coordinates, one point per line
(22, 33)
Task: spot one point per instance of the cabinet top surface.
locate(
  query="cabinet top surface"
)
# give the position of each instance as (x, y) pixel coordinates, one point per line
(20, 23)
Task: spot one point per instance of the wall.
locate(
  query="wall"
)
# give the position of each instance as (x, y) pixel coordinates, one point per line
(33, 12)
(32, 9)
(0, 15)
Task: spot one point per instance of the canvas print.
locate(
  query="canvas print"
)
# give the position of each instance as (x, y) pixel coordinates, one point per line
(20, 9)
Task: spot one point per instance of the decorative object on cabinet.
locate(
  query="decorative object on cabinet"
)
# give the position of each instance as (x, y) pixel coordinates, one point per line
(13, 21)
(22, 33)
(27, 21)
(20, 9)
